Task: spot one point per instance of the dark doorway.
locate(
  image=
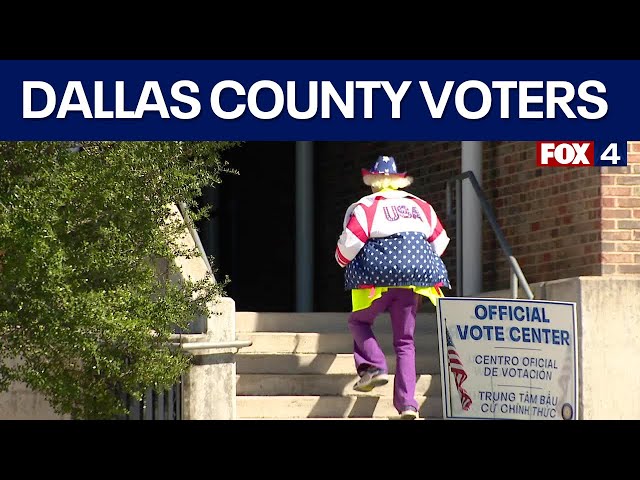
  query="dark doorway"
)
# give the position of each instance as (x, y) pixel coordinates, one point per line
(252, 228)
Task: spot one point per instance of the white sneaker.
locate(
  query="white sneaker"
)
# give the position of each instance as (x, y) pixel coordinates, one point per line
(371, 379)
(408, 413)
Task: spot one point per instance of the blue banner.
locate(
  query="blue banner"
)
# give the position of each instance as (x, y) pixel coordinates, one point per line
(348, 100)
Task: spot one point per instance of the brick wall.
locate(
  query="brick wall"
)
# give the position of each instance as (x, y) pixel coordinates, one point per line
(550, 216)
(560, 222)
(621, 215)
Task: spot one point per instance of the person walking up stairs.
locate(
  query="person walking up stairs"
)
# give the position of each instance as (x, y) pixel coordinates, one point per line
(390, 248)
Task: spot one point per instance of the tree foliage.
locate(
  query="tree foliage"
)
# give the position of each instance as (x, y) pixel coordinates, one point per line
(81, 233)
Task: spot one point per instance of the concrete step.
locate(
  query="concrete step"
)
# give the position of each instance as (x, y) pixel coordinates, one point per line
(293, 407)
(321, 363)
(318, 322)
(292, 342)
(269, 384)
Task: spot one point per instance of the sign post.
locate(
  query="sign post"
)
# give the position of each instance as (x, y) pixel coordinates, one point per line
(508, 359)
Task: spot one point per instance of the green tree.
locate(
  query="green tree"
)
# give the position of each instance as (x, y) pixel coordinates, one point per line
(81, 233)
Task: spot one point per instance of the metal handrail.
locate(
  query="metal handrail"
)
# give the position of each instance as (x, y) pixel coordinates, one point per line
(516, 271)
(184, 210)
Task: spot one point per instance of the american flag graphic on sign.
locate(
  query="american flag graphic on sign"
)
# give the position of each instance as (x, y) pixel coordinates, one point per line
(457, 368)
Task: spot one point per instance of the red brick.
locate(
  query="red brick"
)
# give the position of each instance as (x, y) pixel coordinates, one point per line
(628, 224)
(617, 258)
(629, 202)
(628, 269)
(628, 180)
(616, 213)
(615, 191)
(628, 246)
(608, 179)
(619, 235)
(617, 170)
(588, 270)
(574, 262)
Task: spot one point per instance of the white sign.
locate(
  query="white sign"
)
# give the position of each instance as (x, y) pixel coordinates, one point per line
(508, 359)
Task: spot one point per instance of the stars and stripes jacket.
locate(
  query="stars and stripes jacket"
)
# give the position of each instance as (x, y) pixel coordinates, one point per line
(392, 238)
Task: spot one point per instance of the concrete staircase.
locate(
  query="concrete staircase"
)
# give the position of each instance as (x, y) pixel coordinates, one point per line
(300, 366)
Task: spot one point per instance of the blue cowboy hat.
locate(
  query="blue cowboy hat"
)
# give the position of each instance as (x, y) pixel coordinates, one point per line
(384, 165)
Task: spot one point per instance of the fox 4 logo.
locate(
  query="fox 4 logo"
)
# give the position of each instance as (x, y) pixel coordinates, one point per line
(581, 154)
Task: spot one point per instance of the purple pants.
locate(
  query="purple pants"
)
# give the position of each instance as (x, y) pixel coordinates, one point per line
(402, 305)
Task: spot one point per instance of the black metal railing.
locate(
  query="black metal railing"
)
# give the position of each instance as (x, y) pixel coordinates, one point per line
(162, 405)
(516, 271)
